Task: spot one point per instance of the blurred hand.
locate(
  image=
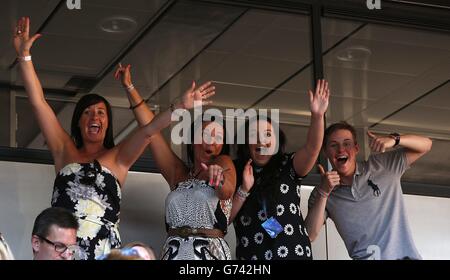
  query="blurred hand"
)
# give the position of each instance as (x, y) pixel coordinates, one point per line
(319, 100)
(202, 93)
(124, 74)
(247, 176)
(22, 41)
(215, 173)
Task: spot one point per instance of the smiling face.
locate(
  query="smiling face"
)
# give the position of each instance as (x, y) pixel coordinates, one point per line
(93, 123)
(341, 149)
(262, 142)
(212, 142)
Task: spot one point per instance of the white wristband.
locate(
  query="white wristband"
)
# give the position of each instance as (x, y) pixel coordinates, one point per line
(130, 88)
(24, 58)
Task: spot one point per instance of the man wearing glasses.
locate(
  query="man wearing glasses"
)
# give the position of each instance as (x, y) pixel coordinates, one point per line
(54, 235)
(365, 199)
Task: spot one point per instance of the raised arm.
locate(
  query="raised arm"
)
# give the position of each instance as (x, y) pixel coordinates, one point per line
(172, 167)
(57, 139)
(416, 146)
(129, 150)
(306, 156)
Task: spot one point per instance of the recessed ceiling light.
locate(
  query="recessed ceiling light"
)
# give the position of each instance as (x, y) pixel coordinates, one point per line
(117, 24)
(354, 53)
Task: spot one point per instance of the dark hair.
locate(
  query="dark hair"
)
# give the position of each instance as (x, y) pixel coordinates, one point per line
(190, 147)
(126, 254)
(335, 127)
(243, 151)
(82, 104)
(270, 176)
(57, 216)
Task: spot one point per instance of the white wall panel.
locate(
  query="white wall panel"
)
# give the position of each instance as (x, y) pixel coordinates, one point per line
(25, 190)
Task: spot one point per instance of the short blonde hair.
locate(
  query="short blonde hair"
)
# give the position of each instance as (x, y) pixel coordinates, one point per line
(5, 252)
(121, 255)
(147, 248)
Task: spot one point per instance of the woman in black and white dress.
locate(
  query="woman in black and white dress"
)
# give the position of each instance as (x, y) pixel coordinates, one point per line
(266, 207)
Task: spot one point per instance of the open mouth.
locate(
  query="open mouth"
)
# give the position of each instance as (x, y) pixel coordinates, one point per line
(342, 159)
(94, 128)
(262, 150)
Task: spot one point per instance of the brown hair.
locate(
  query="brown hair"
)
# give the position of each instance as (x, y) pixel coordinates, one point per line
(149, 249)
(119, 255)
(335, 127)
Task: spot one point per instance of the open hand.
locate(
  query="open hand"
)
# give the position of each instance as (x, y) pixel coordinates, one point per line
(319, 100)
(200, 94)
(22, 41)
(247, 176)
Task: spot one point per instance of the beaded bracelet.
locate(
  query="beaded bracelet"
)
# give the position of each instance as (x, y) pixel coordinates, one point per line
(242, 193)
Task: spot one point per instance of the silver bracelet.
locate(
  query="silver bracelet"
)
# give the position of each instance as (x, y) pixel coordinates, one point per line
(242, 193)
(130, 88)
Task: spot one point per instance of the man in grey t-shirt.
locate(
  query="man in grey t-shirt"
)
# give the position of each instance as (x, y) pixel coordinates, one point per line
(364, 199)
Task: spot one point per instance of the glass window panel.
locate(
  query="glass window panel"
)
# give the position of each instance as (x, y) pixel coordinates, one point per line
(390, 79)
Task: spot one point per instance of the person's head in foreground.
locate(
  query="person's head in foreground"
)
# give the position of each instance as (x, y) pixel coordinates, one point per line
(54, 235)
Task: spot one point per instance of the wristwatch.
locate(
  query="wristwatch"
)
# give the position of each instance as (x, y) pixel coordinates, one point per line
(396, 137)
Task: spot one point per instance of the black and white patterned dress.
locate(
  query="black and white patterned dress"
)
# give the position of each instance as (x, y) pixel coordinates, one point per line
(193, 203)
(92, 193)
(252, 240)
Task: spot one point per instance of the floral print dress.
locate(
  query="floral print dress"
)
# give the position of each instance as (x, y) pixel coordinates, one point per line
(93, 194)
(252, 240)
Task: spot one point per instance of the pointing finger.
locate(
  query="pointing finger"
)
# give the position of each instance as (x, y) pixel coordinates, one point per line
(371, 135)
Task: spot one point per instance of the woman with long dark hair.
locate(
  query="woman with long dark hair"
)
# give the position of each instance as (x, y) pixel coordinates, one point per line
(199, 204)
(90, 169)
(266, 207)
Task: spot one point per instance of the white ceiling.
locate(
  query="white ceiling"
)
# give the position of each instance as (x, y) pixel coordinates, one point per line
(247, 53)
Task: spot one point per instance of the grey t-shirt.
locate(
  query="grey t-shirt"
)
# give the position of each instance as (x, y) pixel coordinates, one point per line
(373, 227)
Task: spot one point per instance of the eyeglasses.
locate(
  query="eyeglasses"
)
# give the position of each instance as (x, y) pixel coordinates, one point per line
(60, 247)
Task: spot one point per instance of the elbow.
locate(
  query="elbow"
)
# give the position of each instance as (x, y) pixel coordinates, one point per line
(310, 230)
(312, 234)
